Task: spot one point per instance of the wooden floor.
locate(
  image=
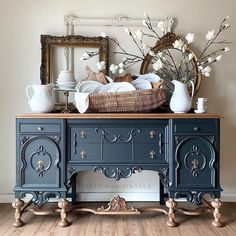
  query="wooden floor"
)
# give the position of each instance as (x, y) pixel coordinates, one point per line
(87, 224)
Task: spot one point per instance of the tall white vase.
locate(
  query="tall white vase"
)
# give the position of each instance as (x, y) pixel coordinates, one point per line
(181, 100)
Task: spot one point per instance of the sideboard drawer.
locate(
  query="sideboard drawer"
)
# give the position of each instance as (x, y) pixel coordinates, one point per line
(89, 152)
(40, 128)
(150, 153)
(195, 126)
(153, 135)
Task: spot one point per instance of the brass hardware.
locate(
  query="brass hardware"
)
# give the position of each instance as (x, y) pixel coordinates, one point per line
(40, 128)
(40, 168)
(83, 134)
(195, 168)
(196, 128)
(152, 134)
(83, 154)
(152, 154)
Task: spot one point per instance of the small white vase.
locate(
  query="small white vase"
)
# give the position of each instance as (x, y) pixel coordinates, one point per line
(41, 100)
(181, 101)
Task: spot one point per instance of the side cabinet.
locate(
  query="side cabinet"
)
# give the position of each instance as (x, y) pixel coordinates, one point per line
(195, 162)
(40, 158)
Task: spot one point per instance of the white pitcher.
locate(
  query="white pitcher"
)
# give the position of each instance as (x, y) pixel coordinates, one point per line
(41, 100)
(181, 101)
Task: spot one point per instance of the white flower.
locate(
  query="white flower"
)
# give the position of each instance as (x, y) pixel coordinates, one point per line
(190, 37)
(161, 25)
(227, 17)
(200, 68)
(226, 26)
(206, 71)
(152, 53)
(103, 35)
(139, 34)
(218, 58)
(209, 59)
(190, 56)
(101, 65)
(158, 65)
(144, 46)
(121, 65)
(121, 70)
(226, 49)
(179, 44)
(114, 68)
(85, 56)
(160, 54)
(127, 31)
(210, 35)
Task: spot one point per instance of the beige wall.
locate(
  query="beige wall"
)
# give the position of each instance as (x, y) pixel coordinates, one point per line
(22, 22)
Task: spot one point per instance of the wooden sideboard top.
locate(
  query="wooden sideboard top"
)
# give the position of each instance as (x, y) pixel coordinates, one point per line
(118, 115)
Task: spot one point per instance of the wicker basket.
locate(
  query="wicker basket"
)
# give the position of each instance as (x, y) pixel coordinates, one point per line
(133, 101)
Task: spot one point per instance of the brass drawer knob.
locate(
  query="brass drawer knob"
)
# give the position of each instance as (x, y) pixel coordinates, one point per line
(40, 128)
(152, 154)
(196, 128)
(152, 134)
(83, 134)
(83, 154)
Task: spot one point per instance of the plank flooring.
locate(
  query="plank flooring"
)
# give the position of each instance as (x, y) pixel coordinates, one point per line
(87, 224)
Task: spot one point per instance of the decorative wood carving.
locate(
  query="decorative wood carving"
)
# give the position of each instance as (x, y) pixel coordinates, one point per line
(24, 139)
(198, 163)
(72, 21)
(117, 173)
(40, 198)
(117, 137)
(117, 205)
(40, 167)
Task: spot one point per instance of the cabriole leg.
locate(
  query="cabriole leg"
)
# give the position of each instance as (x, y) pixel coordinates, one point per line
(217, 204)
(171, 204)
(63, 204)
(18, 204)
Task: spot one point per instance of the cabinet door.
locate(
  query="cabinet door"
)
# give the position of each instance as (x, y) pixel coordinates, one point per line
(39, 162)
(195, 162)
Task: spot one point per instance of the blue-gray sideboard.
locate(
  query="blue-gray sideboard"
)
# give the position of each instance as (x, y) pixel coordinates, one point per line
(183, 148)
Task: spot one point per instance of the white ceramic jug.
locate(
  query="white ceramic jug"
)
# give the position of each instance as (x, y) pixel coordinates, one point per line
(181, 101)
(41, 100)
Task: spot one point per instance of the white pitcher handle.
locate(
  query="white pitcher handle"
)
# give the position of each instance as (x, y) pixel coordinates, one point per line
(192, 84)
(27, 92)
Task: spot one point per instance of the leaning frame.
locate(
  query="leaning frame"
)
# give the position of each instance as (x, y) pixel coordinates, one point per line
(70, 41)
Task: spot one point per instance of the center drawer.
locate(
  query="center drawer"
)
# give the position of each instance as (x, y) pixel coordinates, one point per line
(116, 144)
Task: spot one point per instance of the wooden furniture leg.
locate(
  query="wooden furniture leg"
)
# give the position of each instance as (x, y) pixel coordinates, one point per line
(171, 204)
(18, 204)
(217, 204)
(63, 204)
